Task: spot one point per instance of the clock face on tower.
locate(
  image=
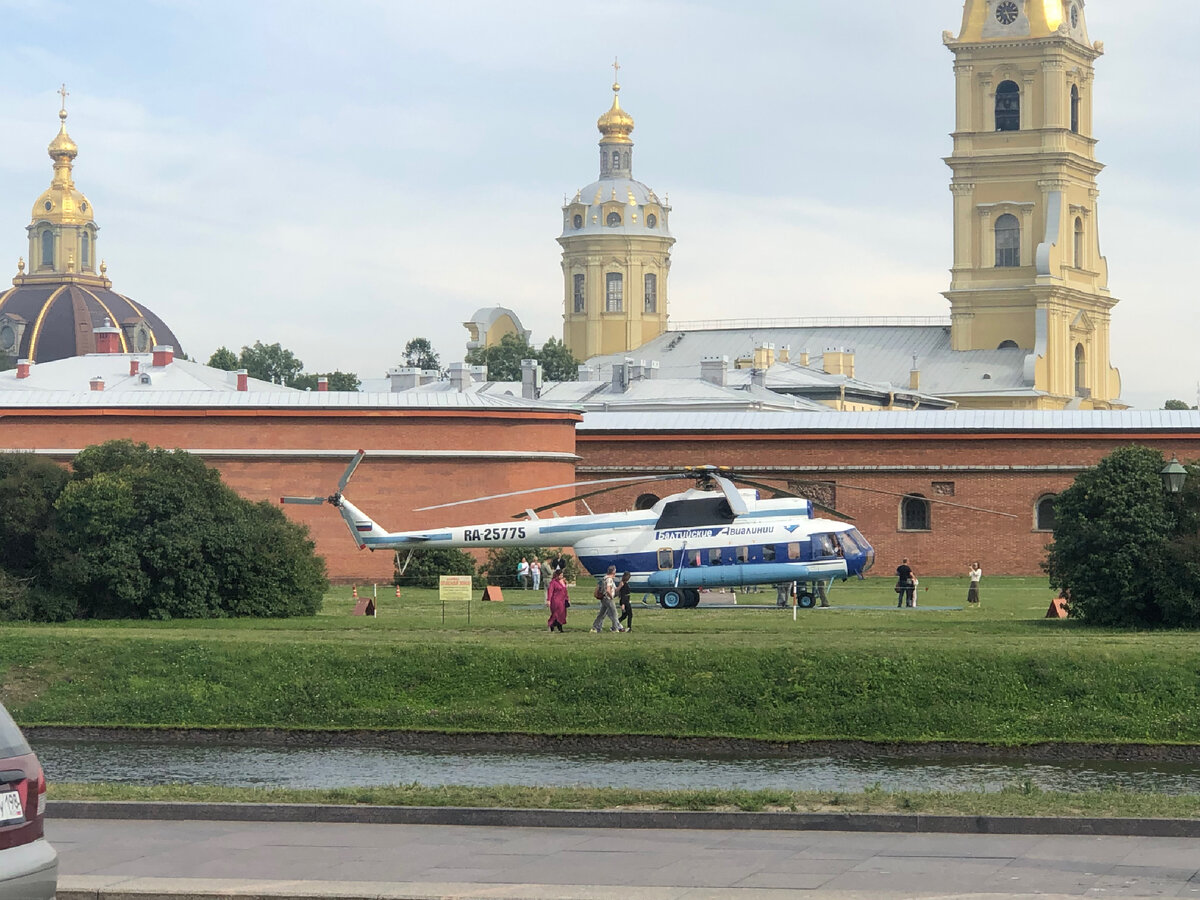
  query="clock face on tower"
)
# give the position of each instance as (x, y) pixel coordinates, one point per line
(1006, 12)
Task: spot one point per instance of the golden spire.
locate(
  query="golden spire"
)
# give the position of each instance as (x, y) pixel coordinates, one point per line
(62, 149)
(616, 125)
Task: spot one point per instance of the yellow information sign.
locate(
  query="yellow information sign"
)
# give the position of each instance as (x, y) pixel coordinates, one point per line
(454, 588)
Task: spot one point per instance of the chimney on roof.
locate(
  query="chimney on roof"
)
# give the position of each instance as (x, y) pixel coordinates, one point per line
(97, 383)
(23, 366)
(803, 358)
(164, 354)
(134, 367)
(243, 380)
(621, 374)
(839, 361)
(323, 384)
(478, 373)
(531, 379)
(427, 376)
(460, 377)
(108, 338)
(650, 370)
(713, 369)
(758, 377)
(403, 379)
(914, 376)
(764, 356)
(585, 373)
(784, 353)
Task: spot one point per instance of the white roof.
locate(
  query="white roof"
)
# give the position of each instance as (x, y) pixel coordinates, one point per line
(75, 374)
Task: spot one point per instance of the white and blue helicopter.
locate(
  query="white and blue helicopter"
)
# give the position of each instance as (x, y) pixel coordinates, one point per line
(712, 535)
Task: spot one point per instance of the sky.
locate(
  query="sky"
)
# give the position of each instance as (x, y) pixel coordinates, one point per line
(341, 178)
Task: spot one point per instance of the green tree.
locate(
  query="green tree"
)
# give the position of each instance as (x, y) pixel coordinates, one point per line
(270, 363)
(503, 360)
(29, 486)
(225, 359)
(426, 565)
(152, 533)
(558, 363)
(338, 381)
(1176, 404)
(418, 353)
(1124, 551)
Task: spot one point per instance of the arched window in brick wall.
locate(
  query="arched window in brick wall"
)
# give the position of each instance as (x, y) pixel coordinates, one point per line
(914, 513)
(1043, 513)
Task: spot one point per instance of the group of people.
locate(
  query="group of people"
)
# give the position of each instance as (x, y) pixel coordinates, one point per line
(906, 584)
(609, 592)
(532, 574)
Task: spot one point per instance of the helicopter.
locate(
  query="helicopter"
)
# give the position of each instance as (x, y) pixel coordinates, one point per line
(711, 535)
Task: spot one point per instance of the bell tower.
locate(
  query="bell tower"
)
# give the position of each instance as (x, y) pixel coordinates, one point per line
(1027, 270)
(616, 251)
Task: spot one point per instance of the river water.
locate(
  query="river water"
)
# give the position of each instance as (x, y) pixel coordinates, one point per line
(326, 767)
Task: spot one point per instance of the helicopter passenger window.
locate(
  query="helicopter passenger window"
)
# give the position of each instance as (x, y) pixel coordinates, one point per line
(768, 552)
(743, 554)
(666, 559)
(714, 556)
(694, 558)
(793, 551)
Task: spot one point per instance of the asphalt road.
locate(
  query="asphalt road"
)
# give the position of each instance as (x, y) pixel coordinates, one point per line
(159, 858)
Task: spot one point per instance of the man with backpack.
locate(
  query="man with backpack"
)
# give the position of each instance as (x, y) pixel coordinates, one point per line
(606, 590)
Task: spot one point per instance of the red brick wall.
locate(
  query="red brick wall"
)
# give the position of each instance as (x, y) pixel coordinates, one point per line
(268, 453)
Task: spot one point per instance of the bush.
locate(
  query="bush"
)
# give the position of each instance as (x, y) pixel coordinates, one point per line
(426, 565)
(501, 565)
(29, 486)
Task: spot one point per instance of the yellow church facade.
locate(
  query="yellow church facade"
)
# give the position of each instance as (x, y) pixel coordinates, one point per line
(1027, 267)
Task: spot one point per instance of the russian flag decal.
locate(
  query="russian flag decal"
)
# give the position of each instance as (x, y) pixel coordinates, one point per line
(363, 526)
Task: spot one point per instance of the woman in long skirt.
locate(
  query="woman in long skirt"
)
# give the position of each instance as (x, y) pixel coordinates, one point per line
(556, 599)
(974, 574)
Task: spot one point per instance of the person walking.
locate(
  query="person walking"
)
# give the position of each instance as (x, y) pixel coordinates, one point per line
(974, 573)
(605, 593)
(783, 594)
(623, 591)
(558, 601)
(906, 584)
(535, 572)
(523, 573)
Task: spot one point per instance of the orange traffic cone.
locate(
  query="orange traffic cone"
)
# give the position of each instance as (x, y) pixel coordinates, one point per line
(356, 592)
(397, 590)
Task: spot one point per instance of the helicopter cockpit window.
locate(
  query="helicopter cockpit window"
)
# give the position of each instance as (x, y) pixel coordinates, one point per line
(768, 553)
(823, 546)
(743, 554)
(666, 559)
(793, 551)
(694, 513)
(714, 556)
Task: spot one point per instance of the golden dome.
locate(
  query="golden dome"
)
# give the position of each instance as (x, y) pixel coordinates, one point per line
(62, 202)
(616, 124)
(62, 145)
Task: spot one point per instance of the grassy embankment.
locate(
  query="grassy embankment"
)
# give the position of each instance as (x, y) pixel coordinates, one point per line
(1001, 674)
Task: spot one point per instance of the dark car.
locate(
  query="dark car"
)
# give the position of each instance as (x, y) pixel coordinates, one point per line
(28, 864)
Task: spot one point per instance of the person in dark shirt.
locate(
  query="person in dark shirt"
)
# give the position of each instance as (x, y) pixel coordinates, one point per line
(623, 591)
(905, 584)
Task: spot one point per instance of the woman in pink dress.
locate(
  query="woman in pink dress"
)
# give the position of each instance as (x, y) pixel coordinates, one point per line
(556, 598)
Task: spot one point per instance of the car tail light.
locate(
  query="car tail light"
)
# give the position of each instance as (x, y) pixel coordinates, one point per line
(41, 792)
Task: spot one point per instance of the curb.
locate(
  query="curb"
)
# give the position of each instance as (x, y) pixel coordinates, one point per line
(605, 818)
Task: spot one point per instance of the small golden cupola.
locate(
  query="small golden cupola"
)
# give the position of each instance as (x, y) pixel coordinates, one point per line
(62, 233)
(616, 125)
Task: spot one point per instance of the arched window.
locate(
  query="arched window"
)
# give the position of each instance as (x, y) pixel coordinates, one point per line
(614, 292)
(627, 159)
(616, 159)
(48, 248)
(1075, 108)
(1080, 369)
(578, 291)
(85, 250)
(914, 513)
(1043, 514)
(613, 219)
(577, 221)
(1008, 241)
(652, 221)
(1008, 106)
(651, 293)
(1008, 345)
(1079, 242)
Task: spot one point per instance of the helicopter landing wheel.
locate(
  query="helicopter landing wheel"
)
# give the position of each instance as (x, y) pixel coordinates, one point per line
(672, 599)
(806, 601)
(691, 599)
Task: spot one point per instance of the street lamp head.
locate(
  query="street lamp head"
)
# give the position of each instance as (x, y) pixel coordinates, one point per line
(1173, 476)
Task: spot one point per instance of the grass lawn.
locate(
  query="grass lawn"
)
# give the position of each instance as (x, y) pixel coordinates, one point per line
(862, 670)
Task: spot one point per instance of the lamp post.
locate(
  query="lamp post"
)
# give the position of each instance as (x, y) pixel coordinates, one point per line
(1173, 476)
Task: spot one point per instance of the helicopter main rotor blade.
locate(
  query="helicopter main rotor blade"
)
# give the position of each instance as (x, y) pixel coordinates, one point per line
(604, 490)
(538, 490)
(358, 457)
(305, 501)
(855, 487)
(735, 500)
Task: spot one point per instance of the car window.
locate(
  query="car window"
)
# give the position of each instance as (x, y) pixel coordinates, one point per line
(11, 741)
